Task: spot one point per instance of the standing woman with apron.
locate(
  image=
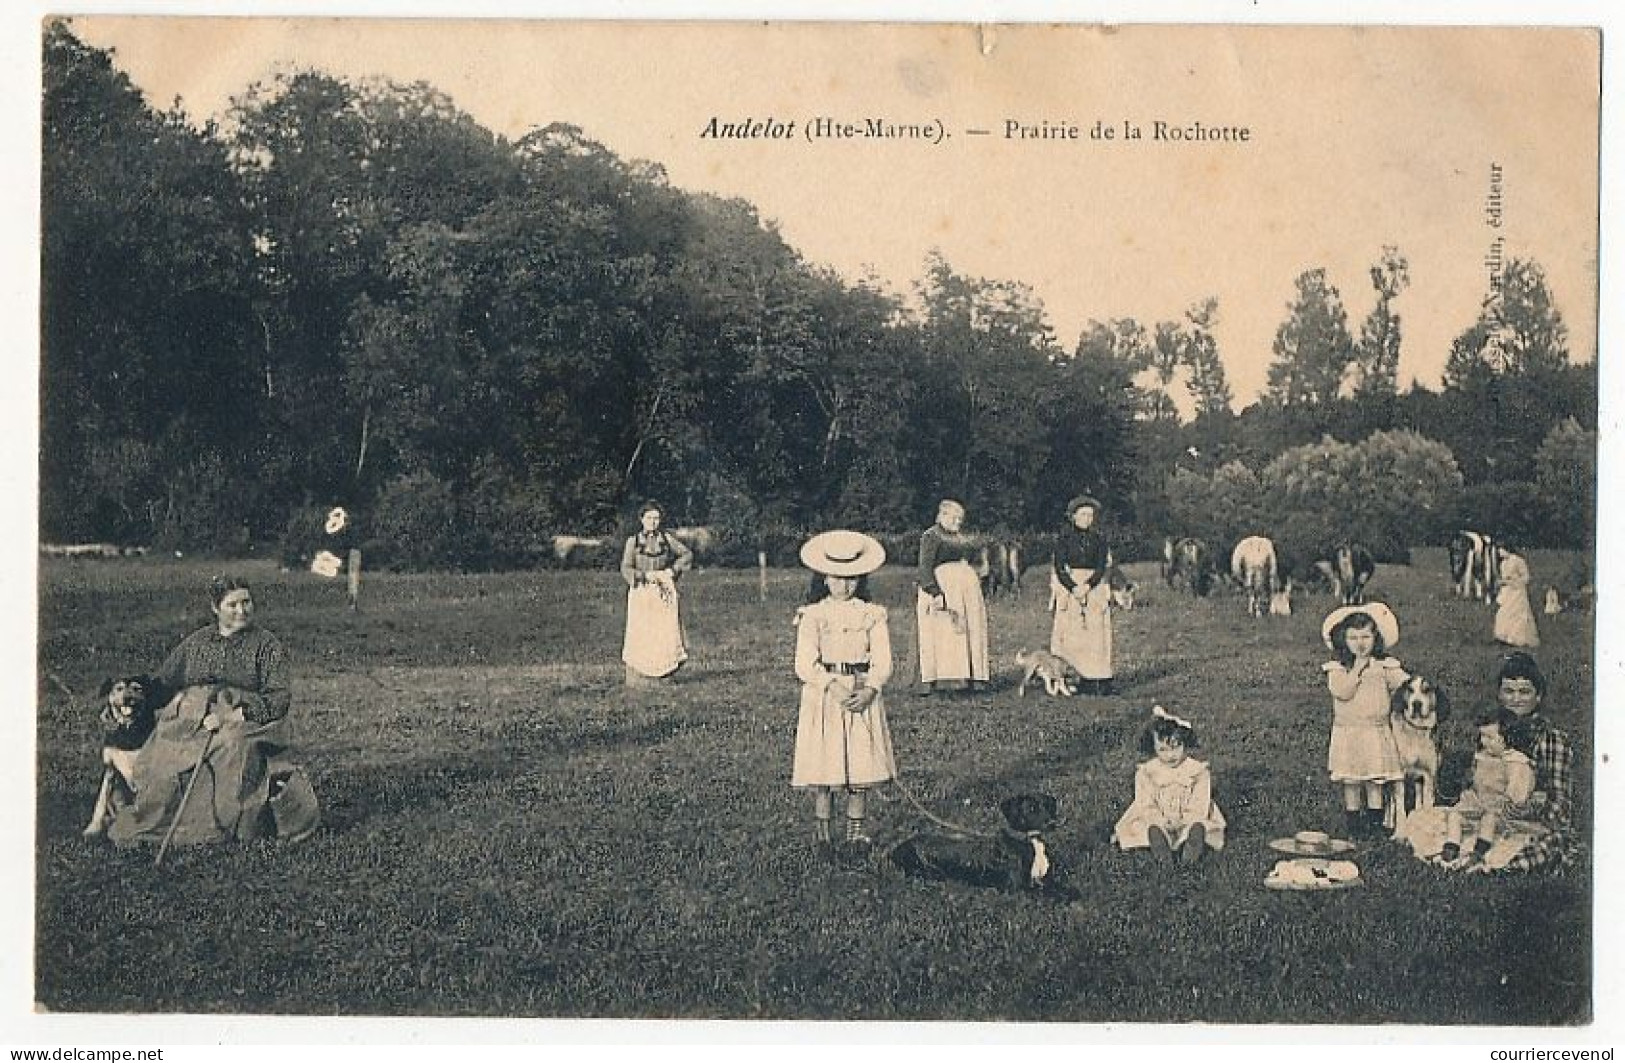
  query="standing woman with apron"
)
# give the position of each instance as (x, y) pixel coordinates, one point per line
(952, 613)
(1081, 598)
(651, 562)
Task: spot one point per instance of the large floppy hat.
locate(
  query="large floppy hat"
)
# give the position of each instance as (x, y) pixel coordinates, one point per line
(842, 553)
(1081, 501)
(1387, 623)
(1311, 843)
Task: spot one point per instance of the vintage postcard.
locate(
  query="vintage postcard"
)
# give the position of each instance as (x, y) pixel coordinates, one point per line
(904, 522)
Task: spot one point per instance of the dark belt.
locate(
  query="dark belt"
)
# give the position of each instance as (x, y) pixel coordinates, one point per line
(859, 668)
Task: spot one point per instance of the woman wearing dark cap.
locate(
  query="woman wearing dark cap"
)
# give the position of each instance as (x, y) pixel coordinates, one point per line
(1081, 598)
(951, 611)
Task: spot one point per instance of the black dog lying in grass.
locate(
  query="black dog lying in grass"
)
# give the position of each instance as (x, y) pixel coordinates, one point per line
(1018, 859)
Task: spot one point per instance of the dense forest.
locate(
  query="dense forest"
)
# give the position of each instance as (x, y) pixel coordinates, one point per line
(351, 293)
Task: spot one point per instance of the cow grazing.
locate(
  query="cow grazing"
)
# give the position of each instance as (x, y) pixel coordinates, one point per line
(700, 539)
(1015, 560)
(571, 550)
(1352, 568)
(1253, 566)
(993, 567)
(1475, 565)
(1191, 567)
(1122, 587)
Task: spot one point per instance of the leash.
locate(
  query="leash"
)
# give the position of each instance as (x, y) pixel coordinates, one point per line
(897, 781)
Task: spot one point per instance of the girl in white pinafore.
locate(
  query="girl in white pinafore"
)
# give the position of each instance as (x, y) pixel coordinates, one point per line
(1362, 758)
(843, 659)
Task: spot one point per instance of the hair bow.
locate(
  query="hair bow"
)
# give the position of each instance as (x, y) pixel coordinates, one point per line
(1158, 712)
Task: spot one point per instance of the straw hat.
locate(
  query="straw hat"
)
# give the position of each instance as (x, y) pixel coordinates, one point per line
(842, 553)
(1387, 623)
(1312, 843)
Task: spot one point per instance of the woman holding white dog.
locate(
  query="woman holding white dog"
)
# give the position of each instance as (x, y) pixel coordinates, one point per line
(1081, 633)
(216, 766)
(843, 659)
(952, 613)
(651, 563)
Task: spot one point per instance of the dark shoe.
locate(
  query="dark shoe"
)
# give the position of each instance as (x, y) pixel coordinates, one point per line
(1105, 688)
(980, 686)
(923, 690)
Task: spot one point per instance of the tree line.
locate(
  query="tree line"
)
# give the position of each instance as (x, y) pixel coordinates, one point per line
(349, 292)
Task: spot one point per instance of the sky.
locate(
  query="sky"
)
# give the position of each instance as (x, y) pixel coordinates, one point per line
(1357, 139)
(1361, 139)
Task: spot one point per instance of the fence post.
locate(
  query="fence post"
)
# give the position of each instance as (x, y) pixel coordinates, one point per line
(355, 580)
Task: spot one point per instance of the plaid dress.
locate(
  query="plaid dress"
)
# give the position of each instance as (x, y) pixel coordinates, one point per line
(1553, 756)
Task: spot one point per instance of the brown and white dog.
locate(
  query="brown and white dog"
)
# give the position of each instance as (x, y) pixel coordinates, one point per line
(1017, 859)
(1059, 678)
(1415, 712)
(128, 715)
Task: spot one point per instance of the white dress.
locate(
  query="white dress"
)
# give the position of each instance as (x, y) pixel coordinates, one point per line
(1514, 616)
(840, 645)
(1175, 799)
(1362, 747)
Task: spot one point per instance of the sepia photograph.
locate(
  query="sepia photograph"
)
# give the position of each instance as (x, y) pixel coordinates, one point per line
(767, 520)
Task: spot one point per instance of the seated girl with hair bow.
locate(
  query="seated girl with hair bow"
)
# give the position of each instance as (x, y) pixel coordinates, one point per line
(1173, 813)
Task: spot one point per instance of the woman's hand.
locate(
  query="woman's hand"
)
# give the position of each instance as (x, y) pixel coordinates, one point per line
(860, 699)
(213, 721)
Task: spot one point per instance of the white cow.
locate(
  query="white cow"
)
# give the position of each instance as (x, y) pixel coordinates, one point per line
(1254, 567)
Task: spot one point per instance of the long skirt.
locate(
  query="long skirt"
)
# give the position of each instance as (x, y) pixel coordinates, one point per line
(245, 788)
(835, 747)
(1514, 617)
(654, 631)
(1081, 633)
(953, 639)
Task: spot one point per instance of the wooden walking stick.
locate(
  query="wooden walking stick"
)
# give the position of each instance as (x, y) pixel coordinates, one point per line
(186, 795)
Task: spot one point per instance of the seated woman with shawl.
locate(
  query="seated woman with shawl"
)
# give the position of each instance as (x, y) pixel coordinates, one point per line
(224, 719)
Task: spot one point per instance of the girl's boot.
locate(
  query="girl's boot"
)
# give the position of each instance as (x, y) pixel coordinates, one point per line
(1195, 842)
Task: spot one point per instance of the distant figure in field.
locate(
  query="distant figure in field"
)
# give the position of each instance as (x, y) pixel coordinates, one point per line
(1514, 616)
(651, 563)
(951, 611)
(1081, 597)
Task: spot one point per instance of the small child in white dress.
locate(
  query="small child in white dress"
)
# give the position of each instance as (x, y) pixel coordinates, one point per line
(1173, 813)
(1503, 782)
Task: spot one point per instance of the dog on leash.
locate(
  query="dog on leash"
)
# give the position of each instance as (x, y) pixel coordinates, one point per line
(1415, 712)
(1060, 679)
(1018, 859)
(128, 716)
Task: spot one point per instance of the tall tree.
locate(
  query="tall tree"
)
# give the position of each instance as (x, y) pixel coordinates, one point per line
(1208, 387)
(1519, 330)
(1376, 356)
(145, 255)
(1312, 348)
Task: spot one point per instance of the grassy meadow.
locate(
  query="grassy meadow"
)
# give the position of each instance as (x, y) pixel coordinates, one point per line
(510, 831)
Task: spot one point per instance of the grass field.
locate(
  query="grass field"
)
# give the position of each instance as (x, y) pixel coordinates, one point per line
(511, 832)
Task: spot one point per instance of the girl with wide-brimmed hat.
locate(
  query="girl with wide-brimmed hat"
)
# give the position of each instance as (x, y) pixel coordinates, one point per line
(843, 659)
(1362, 757)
